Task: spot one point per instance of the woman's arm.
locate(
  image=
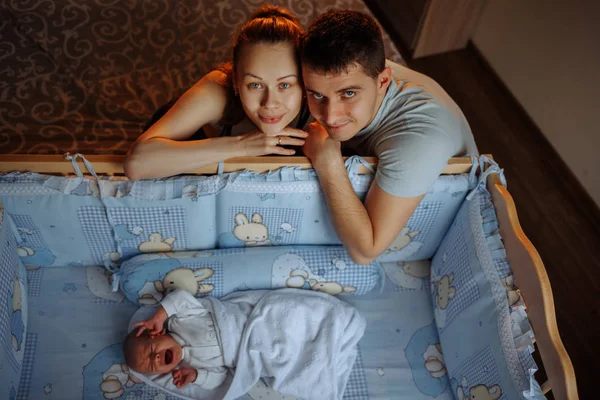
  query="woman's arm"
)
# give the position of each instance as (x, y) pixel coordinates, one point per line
(162, 150)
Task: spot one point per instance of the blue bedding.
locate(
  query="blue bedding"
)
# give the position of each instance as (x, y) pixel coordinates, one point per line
(76, 326)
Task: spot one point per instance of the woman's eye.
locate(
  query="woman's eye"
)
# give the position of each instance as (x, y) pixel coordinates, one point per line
(349, 93)
(284, 85)
(255, 85)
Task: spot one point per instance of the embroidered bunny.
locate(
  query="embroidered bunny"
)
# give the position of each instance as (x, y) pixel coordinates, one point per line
(156, 244)
(252, 233)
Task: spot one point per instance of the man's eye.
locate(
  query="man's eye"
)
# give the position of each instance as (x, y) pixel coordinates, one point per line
(255, 85)
(349, 93)
(317, 96)
(284, 85)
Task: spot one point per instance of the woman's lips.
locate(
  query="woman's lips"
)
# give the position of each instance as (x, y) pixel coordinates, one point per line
(271, 120)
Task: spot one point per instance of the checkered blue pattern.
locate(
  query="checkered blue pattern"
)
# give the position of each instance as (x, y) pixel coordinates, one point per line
(479, 369)
(172, 188)
(28, 361)
(34, 281)
(491, 228)
(527, 361)
(97, 231)
(321, 262)
(33, 239)
(168, 221)
(7, 279)
(424, 219)
(18, 177)
(141, 391)
(357, 388)
(503, 267)
(216, 279)
(273, 218)
(455, 259)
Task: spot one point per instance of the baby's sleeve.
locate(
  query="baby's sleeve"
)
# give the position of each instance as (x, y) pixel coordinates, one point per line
(210, 378)
(182, 301)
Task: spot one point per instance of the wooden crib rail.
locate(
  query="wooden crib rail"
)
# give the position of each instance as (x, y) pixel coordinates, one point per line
(534, 285)
(113, 165)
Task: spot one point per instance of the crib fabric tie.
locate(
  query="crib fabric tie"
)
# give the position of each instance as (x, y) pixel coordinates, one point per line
(353, 164)
(491, 169)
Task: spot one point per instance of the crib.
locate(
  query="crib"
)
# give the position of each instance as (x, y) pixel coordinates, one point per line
(444, 304)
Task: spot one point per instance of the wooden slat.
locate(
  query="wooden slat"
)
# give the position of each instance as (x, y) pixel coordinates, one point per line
(113, 165)
(533, 282)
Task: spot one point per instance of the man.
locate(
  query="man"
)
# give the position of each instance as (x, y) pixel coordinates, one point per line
(380, 109)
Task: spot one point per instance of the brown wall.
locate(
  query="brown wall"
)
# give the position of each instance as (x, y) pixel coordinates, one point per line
(548, 55)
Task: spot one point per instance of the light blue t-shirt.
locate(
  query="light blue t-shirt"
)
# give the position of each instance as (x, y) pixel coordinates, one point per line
(416, 130)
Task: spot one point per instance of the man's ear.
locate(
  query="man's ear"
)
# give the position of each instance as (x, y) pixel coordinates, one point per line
(384, 79)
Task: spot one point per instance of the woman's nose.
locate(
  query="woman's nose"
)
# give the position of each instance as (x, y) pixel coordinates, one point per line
(270, 99)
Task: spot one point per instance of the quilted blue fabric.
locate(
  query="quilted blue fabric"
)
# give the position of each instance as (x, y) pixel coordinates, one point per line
(82, 221)
(146, 278)
(13, 311)
(486, 340)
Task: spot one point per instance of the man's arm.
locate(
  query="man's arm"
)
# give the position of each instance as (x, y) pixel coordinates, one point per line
(365, 230)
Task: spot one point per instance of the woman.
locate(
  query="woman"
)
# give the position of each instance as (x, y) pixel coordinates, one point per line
(240, 109)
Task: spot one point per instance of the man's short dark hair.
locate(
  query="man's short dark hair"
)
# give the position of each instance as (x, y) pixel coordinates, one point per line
(339, 39)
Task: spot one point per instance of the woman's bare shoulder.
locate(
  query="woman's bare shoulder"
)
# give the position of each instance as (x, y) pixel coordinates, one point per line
(215, 80)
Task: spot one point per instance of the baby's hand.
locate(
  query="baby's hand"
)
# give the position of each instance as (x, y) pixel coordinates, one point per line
(183, 376)
(154, 325)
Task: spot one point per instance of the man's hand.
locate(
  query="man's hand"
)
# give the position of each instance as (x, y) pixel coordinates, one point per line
(183, 376)
(319, 147)
(154, 325)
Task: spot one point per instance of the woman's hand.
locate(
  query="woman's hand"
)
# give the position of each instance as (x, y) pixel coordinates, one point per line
(257, 143)
(154, 325)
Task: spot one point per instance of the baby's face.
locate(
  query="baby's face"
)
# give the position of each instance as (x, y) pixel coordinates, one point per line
(157, 355)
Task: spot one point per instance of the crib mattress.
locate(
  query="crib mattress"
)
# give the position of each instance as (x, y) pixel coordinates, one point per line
(76, 328)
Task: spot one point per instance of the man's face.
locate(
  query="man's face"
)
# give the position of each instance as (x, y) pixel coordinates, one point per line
(346, 103)
(156, 355)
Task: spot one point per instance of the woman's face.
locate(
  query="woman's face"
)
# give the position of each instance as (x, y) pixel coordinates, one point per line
(267, 78)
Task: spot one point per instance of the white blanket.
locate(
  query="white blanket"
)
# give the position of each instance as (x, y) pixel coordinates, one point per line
(302, 342)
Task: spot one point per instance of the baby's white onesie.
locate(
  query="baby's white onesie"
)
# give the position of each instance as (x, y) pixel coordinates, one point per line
(193, 327)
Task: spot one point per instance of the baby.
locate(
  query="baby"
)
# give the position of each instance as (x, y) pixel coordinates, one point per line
(303, 341)
(179, 338)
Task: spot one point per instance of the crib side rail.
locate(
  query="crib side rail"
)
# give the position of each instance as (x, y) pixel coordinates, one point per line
(113, 165)
(534, 285)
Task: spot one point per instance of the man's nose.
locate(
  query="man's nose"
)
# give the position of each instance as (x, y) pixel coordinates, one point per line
(333, 110)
